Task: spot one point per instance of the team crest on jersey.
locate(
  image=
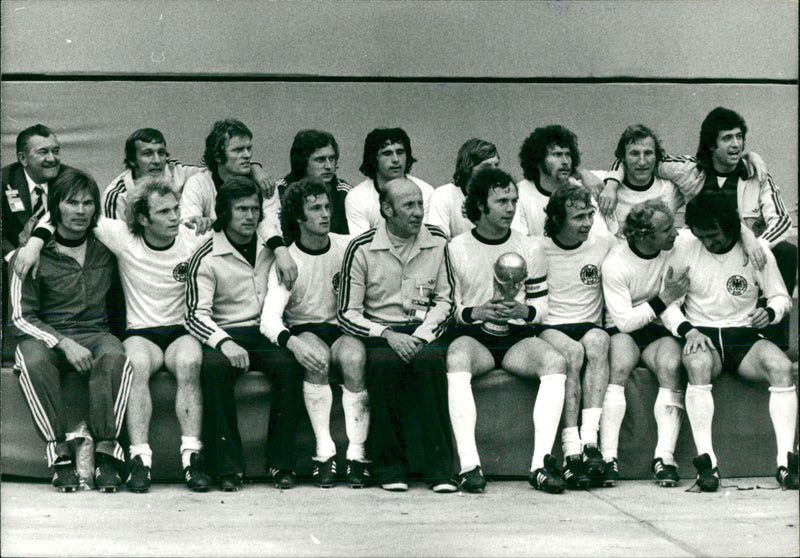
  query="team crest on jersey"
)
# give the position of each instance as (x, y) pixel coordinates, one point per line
(180, 272)
(590, 275)
(736, 285)
(335, 282)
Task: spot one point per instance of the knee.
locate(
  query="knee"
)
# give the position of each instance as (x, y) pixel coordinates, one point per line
(458, 357)
(554, 363)
(574, 356)
(669, 363)
(596, 343)
(187, 365)
(698, 369)
(778, 369)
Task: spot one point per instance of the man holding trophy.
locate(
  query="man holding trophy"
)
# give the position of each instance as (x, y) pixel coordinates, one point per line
(500, 292)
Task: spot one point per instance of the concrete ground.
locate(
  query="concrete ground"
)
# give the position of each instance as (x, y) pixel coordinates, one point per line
(636, 518)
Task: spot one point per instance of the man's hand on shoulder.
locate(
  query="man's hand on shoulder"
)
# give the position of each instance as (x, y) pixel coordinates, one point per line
(27, 258)
(200, 224)
(287, 268)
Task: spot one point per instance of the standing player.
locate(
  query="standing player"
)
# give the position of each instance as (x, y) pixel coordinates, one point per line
(575, 252)
(387, 155)
(311, 332)
(152, 251)
(550, 159)
(490, 204)
(639, 149)
(226, 285)
(315, 155)
(145, 155)
(63, 317)
(720, 323)
(447, 203)
(637, 289)
(395, 296)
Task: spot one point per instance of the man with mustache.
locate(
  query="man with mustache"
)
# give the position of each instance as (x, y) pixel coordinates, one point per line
(575, 250)
(550, 159)
(387, 155)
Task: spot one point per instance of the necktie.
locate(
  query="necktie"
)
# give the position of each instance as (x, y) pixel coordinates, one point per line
(40, 203)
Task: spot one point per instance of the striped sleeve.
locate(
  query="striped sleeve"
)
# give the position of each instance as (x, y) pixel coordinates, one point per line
(684, 173)
(181, 173)
(773, 211)
(115, 200)
(200, 287)
(536, 284)
(353, 289)
(24, 299)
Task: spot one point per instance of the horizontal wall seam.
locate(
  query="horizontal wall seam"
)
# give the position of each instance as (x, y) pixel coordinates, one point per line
(52, 77)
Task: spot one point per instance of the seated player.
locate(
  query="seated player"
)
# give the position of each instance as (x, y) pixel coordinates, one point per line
(719, 321)
(387, 155)
(395, 296)
(225, 290)
(63, 318)
(447, 203)
(152, 250)
(637, 289)
(315, 155)
(478, 346)
(311, 331)
(575, 251)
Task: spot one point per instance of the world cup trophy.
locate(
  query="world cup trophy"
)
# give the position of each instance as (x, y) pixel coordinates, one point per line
(510, 271)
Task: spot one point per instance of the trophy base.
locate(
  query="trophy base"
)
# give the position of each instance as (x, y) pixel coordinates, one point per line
(492, 328)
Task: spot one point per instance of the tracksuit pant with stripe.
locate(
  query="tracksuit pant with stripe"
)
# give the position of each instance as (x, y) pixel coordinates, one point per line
(109, 386)
(404, 398)
(222, 441)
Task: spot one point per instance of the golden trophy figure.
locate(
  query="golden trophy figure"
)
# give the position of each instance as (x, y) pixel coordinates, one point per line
(510, 270)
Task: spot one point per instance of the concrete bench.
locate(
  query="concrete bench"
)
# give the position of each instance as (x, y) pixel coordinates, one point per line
(743, 435)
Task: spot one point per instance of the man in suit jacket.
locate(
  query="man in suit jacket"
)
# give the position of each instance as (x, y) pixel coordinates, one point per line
(26, 183)
(25, 188)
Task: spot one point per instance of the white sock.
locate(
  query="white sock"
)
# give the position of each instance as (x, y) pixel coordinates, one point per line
(590, 424)
(189, 445)
(143, 451)
(319, 400)
(668, 412)
(546, 416)
(463, 417)
(700, 410)
(783, 412)
(356, 422)
(570, 441)
(614, 406)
